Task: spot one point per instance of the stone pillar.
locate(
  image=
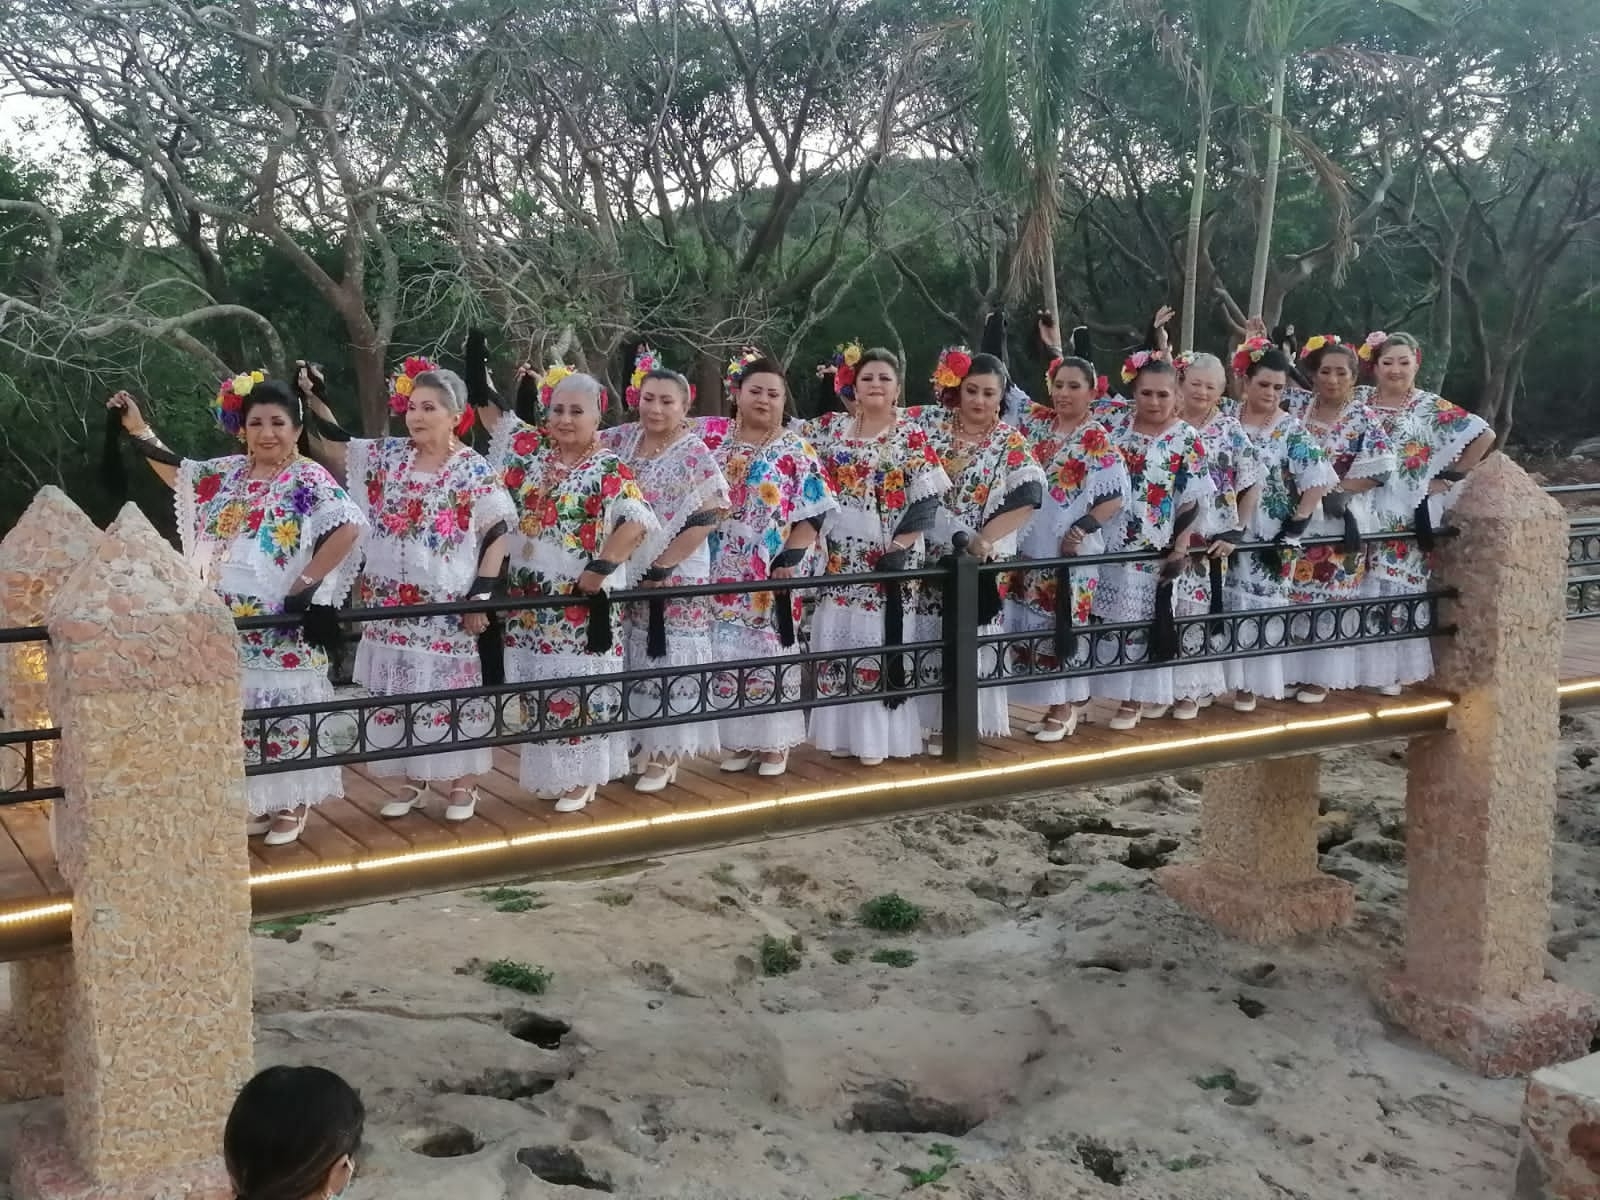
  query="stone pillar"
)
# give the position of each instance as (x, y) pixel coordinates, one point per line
(44, 547)
(1561, 1134)
(145, 684)
(1480, 798)
(1257, 877)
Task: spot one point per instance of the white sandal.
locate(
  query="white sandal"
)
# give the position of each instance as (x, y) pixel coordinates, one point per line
(572, 804)
(417, 798)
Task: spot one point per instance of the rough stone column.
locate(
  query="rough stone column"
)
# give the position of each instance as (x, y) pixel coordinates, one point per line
(1481, 798)
(1560, 1157)
(42, 549)
(1257, 877)
(145, 685)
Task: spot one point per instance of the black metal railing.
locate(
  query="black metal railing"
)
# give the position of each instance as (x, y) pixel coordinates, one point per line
(952, 663)
(1583, 555)
(21, 776)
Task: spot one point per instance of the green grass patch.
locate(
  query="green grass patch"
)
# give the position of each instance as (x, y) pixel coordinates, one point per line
(615, 899)
(723, 875)
(894, 957)
(519, 977)
(779, 956)
(891, 913)
(512, 900)
(1193, 1162)
(1108, 888)
(944, 1157)
(844, 955)
(1217, 1082)
(285, 925)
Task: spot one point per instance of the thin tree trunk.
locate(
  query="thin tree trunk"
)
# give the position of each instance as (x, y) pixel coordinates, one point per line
(1269, 190)
(1197, 207)
(1047, 283)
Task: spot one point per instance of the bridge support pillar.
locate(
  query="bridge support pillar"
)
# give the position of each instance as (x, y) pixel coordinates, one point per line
(1257, 877)
(1480, 798)
(42, 549)
(1560, 1157)
(145, 684)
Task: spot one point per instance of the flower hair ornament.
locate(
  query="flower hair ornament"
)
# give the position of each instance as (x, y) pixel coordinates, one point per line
(1182, 361)
(1368, 353)
(1249, 353)
(644, 361)
(1138, 361)
(1102, 385)
(738, 366)
(551, 377)
(401, 386)
(845, 358)
(227, 408)
(955, 363)
(1320, 341)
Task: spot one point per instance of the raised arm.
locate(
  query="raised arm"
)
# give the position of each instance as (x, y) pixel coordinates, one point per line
(136, 427)
(326, 449)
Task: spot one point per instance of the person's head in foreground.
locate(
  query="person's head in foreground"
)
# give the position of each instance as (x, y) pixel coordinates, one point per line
(293, 1135)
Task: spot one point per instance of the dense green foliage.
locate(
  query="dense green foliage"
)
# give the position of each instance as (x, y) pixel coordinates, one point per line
(186, 190)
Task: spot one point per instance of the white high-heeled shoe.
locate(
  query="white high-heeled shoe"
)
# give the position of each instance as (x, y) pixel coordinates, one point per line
(656, 777)
(256, 826)
(417, 797)
(772, 769)
(572, 804)
(738, 760)
(1057, 729)
(1125, 719)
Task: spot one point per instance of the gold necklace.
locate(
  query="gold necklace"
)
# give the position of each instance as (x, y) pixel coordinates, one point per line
(739, 435)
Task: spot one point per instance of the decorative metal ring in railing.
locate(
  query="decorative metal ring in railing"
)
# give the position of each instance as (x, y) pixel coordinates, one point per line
(1583, 554)
(23, 769)
(953, 666)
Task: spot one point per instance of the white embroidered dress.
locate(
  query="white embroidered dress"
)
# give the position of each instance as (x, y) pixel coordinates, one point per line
(1167, 473)
(428, 530)
(250, 540)
(564, 515)
(982, 476)
(1082, 469)
(875, 481)
(679, 482)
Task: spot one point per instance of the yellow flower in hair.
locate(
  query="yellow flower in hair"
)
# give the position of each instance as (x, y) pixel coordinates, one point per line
(1315, 343)
(403, 385)
(554, 376)
(852, 355)
(259, 376)
(243, 385)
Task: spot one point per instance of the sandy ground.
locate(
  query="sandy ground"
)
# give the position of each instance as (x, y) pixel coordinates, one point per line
(1064, 1030)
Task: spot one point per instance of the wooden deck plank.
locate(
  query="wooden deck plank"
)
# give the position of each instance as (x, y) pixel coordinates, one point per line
(18, 876)
(29, 827)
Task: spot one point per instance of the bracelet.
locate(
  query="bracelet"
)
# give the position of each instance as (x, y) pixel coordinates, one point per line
(1087, 524)
(1232, 536)
(788, 557)
(657, 574)
(1452, 476)
(601, 566)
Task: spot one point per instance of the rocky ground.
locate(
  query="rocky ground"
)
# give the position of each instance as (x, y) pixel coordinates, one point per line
(725, 1027)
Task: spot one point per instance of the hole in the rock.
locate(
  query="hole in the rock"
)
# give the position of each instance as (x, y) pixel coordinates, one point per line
(894, 1108)
(1250, 1007)
(501, 1083)
(563, 1167)
(1104, 1163)
(445, 1141)
(547, 1033)
(1148, 855)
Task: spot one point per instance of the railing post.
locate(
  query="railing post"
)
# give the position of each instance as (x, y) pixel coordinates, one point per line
(51, 538)
(1481, 798)
(144, 682)
(960, 666)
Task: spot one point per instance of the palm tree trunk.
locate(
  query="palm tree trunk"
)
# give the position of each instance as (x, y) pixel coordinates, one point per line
(1269, 190)
(1197, 208)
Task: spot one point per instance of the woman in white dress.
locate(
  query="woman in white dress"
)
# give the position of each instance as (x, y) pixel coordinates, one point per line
(1353, 436)
(886, 481)
(270, 532)
(1436, 445)
(685, 490)
(995, 488)
(439, 518)
(1168, 485)
(1085, 483)
(1295, 474)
